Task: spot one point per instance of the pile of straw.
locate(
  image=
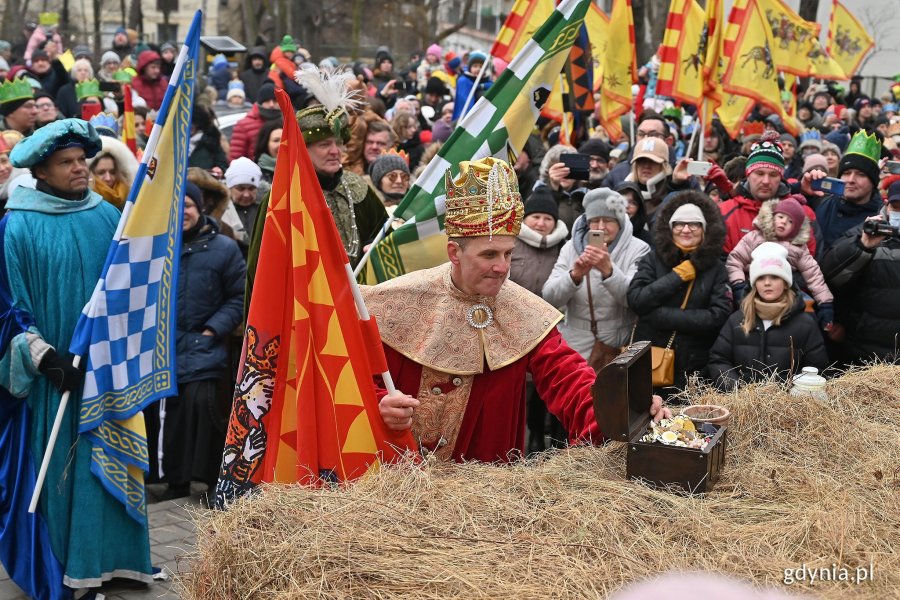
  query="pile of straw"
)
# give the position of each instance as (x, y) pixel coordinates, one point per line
(805, 482)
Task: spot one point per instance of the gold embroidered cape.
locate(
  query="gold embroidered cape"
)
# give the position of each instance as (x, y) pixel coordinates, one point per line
(422, 315)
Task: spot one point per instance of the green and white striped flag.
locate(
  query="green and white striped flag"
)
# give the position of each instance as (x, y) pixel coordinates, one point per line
(498, 125)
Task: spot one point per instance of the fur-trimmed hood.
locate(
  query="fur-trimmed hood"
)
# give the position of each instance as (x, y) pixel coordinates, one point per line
(710, 250)
(541, 242)
(215, 193)
(765, 222)
(125, 160)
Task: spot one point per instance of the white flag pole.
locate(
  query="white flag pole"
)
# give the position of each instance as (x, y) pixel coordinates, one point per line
(364, 316)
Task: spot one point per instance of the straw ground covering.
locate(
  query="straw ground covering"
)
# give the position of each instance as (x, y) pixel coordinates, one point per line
(806, 482)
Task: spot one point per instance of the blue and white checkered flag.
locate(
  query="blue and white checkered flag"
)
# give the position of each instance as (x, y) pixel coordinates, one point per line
(127, 330)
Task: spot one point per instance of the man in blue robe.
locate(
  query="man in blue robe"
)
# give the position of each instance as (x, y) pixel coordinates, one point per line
(53, 245)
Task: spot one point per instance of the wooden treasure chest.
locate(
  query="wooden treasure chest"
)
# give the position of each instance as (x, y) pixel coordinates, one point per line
(622, 395)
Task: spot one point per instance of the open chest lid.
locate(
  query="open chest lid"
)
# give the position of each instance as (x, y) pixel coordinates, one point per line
(622, 393)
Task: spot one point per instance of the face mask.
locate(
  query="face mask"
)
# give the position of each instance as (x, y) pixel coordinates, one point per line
(894, 218)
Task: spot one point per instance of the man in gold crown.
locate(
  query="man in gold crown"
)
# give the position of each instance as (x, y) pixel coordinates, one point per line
(460, 338)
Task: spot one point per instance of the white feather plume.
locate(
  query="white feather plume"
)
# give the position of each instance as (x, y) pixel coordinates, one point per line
(329, 87)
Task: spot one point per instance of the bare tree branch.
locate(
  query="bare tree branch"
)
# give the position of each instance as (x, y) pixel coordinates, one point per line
(458, 25)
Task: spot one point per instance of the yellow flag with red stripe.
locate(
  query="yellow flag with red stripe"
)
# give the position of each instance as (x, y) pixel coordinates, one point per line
(619, 67)
(523, 21)
(682, 53)
(848, 40)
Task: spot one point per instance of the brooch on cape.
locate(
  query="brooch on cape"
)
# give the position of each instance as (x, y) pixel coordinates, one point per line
(480, 316)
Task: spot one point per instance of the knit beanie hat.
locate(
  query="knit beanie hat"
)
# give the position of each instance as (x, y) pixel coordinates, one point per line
(243, 171)
(688, 213)
(770, 258)
(541, 201)
(604, 202)
(863, 154)
(193, 192)
(814, 161)
(384, 164)
(266, 92)
(287, 44)
(787, 138)
(434, 50)
(108, 57)
(595, 147)
(766, 153)
(790, 207)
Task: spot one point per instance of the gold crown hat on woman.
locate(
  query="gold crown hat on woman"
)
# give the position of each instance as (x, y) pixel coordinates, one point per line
(483, 200)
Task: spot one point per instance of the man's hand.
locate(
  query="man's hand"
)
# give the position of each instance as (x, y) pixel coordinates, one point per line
(397, 410)
(808, 178)
(559, 175)
(59, 370)
(871, 242)
(658, 411)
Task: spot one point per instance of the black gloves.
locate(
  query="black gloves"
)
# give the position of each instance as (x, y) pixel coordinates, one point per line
(739, 289)
(59, 370)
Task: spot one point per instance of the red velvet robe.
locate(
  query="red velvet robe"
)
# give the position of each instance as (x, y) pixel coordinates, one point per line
(493, 425)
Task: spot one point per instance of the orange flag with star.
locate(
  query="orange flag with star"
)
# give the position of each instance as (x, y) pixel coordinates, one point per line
(304, 407)
(619, 68)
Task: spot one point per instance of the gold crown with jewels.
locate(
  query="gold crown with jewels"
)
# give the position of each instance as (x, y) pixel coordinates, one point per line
(483, 200)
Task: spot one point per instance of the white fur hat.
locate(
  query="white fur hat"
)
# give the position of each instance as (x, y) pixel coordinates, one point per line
(770, 258)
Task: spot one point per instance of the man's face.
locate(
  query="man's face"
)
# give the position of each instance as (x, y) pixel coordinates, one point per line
(152, 70)
(191, 213)
(857, 187)
(23, 118)
(40, 66)
(763, 183)
(652, 128)
(65, 170)
(481, 264)
(395, 182)
(326, 156)
(376, 143)
(269, 104)
(385, 66)
(820, 103)
(243, 194)
(46, 110)
(256, 62)
(120, 39)
(599, 169)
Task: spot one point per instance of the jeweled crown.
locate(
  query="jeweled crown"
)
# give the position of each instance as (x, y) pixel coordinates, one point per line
(88, 89)
(865, 144)
(17, 89)
(106, 124)
(483, 200)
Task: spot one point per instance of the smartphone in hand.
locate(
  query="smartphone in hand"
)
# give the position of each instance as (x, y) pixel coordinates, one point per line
(579, 165)
(829, 185)
(596, 237)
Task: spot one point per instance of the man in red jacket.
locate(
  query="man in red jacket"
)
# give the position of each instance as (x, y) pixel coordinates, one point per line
(243, 138)
(150, 83)
(460, 338)
(765, 171)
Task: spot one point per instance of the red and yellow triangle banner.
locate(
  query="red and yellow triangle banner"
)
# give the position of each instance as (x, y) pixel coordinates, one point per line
(848, 40)
(522, 22)
(682, 54)
(305, 408)
(129, 133)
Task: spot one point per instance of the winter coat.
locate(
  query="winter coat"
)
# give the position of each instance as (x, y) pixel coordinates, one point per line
(614, 319)
(657, 292)
(210, 296)
(739, 259)
(151, 91)
(837, 216)
(534, 256)
(740, 211)
(867, 286)
(208, 153)
(253, 79)
(243, 137)
(780, 350)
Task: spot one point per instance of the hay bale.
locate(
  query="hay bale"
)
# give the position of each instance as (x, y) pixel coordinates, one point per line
(805, 482)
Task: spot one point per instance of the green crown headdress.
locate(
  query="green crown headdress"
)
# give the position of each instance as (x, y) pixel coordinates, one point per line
(88, 89)
(48, 19)
(17, 89)
(865, 144)
(329, 119)
(122, 76)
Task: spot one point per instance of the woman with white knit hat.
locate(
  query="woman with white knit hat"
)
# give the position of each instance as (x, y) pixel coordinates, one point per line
(771, 334)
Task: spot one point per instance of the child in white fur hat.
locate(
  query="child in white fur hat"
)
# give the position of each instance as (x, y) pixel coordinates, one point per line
(771, 334)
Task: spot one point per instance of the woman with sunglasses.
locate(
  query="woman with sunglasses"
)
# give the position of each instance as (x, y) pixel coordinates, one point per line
(680, 291)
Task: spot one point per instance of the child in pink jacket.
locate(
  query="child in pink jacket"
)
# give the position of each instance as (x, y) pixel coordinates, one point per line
(783, 222)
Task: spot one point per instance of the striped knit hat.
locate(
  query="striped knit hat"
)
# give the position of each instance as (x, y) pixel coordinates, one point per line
(766, 153)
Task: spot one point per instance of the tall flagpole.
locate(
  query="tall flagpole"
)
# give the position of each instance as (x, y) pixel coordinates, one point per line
(152, 142)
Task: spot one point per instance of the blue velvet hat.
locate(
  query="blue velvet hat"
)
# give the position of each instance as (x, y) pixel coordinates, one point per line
(58, 135)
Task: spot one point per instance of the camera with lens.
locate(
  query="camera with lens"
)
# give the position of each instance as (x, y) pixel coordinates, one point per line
(881, 228)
